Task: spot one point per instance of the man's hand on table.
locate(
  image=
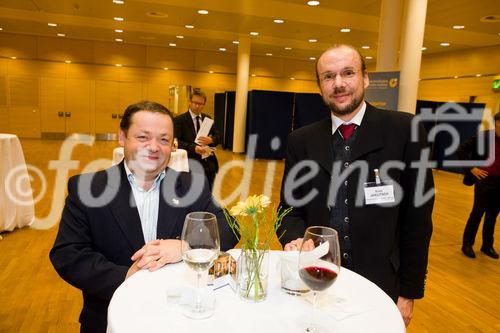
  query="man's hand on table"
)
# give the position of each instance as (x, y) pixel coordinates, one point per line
(405, 306)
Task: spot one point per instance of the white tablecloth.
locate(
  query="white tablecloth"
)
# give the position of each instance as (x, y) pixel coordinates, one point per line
(16, 197)
(178, 159)
(353, 304)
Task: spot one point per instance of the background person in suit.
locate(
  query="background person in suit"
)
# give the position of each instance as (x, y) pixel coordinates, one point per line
(486, 190)
(186, 128)
(129, 217)
(387, 244)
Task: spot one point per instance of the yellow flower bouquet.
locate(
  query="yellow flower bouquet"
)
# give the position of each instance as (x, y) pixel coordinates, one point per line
(248, 221)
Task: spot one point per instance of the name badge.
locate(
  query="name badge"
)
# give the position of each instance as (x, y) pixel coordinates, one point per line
(379, 193)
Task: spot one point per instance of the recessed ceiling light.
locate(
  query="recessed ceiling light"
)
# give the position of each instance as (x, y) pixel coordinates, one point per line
(180, 36)
(288, 48)
(165, 68)
(119, 2)
(118, 18)
(313, 3)
(118, 65)
(119, 30)
(189, 26)
(254, 33)
(1, 29)
(366, 47)
(118, 40)
(67, 61)
(235, 42)
(312, 58)
(211, 72)
(279, 21)
(52, 24)
(292, 78)
(458, 27)
(478, 75)
(313, 40)
(424, 48)
(14, 58)
(368, 57)
(61, 35)
(254, 75)
(345, 30)
(172, 44)
(203, 12)
(269, 54)
(455, 77)
(445, 44)
(223, 49)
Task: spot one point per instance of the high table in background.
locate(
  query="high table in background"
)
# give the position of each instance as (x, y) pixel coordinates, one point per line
(352, 304)
(178, 159)
(16, 198)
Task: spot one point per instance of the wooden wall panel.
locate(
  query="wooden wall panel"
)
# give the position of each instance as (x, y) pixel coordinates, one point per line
(20, 46)
(78, 102)
(4, 119)
(266, 66)
(170, 57)
(51, 103)
(23, 91)
(217, 62)
(24, 121)
(107, 100)
(130, 92)
(158, 91)
(116, 53)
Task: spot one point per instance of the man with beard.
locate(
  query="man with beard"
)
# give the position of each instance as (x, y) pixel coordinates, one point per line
(336, 166)
(129, 217)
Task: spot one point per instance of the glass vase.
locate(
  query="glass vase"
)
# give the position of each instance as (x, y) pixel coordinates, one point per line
(252, 274)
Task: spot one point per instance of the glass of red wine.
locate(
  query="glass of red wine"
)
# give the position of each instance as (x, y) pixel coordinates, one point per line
(319, 264)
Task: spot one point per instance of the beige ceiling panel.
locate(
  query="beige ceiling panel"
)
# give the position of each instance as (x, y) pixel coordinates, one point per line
(117, 53)
(19, 46)
(171, 58)
(217, 62)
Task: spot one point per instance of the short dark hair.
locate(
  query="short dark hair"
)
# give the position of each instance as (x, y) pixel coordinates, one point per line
(497, 116)
(141, 106)
(336, 46)
(198, 92)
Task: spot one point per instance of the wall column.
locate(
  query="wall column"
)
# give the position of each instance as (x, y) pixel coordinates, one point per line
(388, 35)
(411, 53)
(240, 108)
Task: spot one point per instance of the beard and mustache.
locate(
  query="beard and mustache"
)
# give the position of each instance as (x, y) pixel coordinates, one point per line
(343, 110)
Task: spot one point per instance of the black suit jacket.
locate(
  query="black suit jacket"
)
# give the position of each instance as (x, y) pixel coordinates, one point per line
(469, 151)
(389, 245)
(186, 134)
(94, 244)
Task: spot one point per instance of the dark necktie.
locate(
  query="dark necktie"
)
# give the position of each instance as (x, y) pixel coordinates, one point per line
(347, 130)
(198, 124)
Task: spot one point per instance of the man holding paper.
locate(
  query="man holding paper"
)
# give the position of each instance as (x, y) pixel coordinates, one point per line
(195, 133)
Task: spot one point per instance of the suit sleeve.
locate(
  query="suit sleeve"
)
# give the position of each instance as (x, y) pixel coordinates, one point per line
(181, 131)
(73, 256)
(216, 137)
(293, 225)
(415, 222)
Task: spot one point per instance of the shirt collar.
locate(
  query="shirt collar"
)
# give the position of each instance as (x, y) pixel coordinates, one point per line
(193, 115)
(131, 178)
(357, 119)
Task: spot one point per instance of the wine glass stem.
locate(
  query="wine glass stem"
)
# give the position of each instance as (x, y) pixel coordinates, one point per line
(198, 288)
(312, 326)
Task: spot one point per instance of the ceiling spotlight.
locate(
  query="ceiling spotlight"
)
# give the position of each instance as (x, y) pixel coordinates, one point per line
(13, 58)
(1, 29)
(254, 33)
(455, 77)
(312, 58)
(366, 47)
(445, 44)
(424, 48)
(313, 3)
(118, 65)
(203, 12)
(119, 30)
(67, 61)
(223, 49)
(279, 21)
(189, 26)
(165, 68)
(368, 57)
(292, 78)
(119, 2)
(254, 75)
(180, 36)
(345, 30)
(172, 44)
(118, 40)
(235, 42)
(52, 24)
(211, 72)
(458, 27)
(61, 35)
(269, 54)
(478, 75)
(288, 48)
(119, 19)
(313, 40)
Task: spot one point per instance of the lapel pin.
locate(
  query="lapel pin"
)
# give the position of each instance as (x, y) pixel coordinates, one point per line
(175, 201)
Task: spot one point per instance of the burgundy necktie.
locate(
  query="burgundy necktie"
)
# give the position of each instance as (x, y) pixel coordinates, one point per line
(347, 130)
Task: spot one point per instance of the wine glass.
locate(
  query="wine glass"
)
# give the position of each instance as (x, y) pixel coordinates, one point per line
(200, 246)
(319, 263)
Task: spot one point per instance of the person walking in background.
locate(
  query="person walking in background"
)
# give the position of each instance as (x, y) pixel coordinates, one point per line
(187, 126)
(486, 190)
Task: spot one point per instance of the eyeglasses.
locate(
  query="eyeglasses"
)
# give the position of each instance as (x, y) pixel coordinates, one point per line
(197, 104)
(346, 74)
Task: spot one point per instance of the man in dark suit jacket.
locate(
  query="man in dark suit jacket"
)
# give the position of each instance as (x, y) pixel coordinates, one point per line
(186, 128)
(486, 179)
(385, 242)
(129, 217)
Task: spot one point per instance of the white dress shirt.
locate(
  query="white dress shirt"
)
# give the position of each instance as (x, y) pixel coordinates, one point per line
(357, 119)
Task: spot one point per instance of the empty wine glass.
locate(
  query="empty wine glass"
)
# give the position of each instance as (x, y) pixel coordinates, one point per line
(319, 264)
(200, 247)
